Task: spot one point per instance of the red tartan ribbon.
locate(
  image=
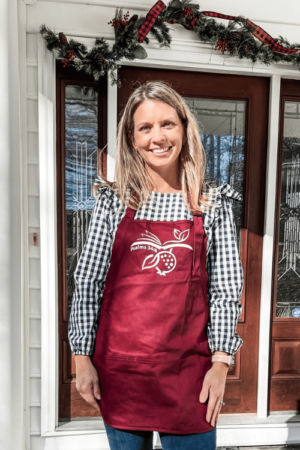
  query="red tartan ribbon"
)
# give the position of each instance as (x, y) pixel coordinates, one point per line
(258, 32)
(193, 21)
(150, 20)
(218, 15)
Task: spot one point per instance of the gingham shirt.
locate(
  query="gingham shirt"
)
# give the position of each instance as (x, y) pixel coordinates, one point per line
(225, 273)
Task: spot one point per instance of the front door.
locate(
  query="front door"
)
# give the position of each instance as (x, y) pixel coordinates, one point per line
(232, 112)
(285, 361)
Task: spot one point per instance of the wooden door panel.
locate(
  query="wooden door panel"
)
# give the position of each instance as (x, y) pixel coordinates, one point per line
(243, 256)
(285, 348)
(286, 359)
(234, 395)
(241, 387)
(289, 332)
(285, 395)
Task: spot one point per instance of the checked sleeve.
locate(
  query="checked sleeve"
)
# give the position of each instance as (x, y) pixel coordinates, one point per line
(89, 277)
(226, 278)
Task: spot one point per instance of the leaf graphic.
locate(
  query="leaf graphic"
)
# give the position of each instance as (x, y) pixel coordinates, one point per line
(177, 233)
(153, 236)
(184, 234)
(152, 263)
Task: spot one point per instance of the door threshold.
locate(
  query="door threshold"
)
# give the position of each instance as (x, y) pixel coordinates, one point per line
(84, 424)
(252, 419)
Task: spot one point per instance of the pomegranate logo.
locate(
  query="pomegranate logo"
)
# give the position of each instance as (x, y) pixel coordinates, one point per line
(163, 258)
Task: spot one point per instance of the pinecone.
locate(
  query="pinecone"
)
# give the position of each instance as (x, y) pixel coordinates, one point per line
(176, 4)
(62, 38)
(187, 12)
(171, 21)
(221, 45)
(248, 47)
(97, 57)
(132, 19)
(234, 41)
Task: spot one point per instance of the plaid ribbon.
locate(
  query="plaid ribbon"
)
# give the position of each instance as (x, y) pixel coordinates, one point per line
(193, 21)
(150, 20)
(258, 32)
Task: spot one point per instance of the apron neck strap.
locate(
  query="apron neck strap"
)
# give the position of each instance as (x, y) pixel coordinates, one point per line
(130, 212)
(195, 213)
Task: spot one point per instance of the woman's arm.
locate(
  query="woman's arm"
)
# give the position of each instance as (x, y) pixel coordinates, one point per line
(225, 286)
(89, 279)
(226, 279)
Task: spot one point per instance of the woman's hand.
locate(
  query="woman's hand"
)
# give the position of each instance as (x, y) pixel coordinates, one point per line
(214, 388)
(87, 381)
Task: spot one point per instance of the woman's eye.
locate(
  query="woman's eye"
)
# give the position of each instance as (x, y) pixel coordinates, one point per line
(145, 127)
(169, 124)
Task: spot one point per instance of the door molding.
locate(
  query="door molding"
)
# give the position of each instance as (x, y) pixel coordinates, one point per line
(268, 238)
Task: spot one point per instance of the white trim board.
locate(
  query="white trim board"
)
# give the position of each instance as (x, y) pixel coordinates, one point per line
(146, 5)
(89, 17)
(267, 257)
(48, 238)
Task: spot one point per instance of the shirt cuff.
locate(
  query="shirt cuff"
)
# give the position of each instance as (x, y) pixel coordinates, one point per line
(81, 352)
(230, 347)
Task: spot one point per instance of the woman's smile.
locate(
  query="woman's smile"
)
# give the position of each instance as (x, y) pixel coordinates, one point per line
(160, 151)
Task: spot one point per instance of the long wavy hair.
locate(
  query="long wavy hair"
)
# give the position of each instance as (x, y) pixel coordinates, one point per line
(131, 171)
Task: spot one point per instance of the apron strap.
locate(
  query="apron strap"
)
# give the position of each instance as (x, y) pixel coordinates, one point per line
(195, 213)
(130, 212)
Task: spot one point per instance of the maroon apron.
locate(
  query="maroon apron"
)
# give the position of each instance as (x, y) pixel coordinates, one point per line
(151, 349)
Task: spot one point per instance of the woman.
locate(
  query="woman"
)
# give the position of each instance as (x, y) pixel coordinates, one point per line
(161, 254)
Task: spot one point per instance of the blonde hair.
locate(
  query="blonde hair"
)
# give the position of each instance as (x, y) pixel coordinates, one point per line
(130, 170)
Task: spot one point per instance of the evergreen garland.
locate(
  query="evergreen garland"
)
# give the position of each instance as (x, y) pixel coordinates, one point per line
(235, 39)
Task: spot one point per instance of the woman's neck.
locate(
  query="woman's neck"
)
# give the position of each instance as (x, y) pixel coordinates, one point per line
(167, 192)
(169, 185)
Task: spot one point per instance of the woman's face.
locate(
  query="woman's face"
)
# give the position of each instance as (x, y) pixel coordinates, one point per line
(158, 134)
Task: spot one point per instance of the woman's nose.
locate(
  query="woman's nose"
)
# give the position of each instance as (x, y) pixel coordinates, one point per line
(158, 135)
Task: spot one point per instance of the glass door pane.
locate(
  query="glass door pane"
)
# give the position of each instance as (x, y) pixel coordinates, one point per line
(222, 126)
(288, 276)
(81, 138)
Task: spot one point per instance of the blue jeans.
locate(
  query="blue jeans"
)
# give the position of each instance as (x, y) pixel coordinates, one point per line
(143, 440)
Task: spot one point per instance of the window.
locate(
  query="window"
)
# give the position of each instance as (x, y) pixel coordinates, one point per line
(81, 134)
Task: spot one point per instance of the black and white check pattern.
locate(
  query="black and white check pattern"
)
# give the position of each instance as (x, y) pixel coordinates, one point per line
(225, 273)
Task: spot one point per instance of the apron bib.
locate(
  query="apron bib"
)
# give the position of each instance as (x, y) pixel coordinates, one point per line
(151, 348)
